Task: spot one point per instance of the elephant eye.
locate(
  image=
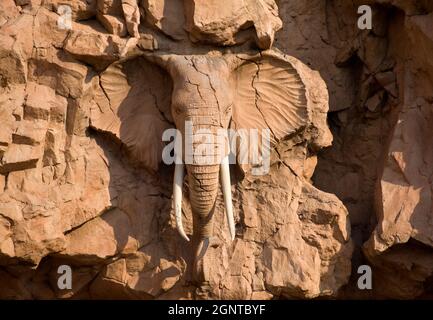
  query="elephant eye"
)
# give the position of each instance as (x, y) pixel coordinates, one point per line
(178, 110)
(229, 109)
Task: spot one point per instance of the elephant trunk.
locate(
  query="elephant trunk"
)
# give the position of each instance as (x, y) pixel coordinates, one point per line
(203, 181)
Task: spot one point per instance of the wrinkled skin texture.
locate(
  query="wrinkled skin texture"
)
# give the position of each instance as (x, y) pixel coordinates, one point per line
(202, 96)
(101, 210)
(258, 91)
(242, 92)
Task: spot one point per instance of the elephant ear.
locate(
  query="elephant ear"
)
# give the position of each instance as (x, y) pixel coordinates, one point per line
(274, 91)
(132, 103)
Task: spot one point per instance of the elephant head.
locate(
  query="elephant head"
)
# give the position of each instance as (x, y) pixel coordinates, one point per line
(266, 90)
(202, 96)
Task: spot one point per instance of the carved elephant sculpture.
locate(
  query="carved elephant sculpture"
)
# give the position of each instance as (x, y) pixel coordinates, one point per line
(261, 90)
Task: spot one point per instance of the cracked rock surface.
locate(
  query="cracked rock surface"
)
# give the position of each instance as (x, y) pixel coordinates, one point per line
(72, 191)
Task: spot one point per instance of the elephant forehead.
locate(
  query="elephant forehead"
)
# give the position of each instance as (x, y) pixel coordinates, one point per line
(203, 71)
(197, 95)
(214, 79)
(206, 63)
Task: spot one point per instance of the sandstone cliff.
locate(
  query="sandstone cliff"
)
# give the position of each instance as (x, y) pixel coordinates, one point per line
(72, 192)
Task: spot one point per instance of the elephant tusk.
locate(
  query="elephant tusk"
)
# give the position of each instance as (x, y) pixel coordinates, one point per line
(227, 192)
(177, 198)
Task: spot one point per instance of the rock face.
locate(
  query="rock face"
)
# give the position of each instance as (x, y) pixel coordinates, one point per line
(381, 156)
(219, 22)
(76, 190)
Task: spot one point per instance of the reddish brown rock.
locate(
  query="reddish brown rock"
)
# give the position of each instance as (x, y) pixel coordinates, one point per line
(131, 12)
(113, 24)
(219, 22)
(97, 49)
(81, 9)
(71, 180)
(8, 10)
(164, 15)
(75, 189)
(12, 64)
